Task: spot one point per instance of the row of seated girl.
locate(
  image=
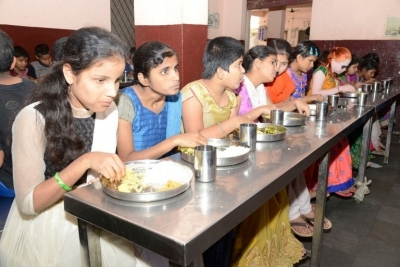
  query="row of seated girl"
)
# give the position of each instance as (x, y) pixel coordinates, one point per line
(70, 130)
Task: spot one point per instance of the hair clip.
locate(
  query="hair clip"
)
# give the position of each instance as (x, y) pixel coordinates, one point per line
(311, 51)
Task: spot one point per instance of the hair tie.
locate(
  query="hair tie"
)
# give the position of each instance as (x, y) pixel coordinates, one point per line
(313, 51)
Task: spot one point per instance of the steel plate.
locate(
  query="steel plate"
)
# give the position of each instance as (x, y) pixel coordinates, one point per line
(143, 166)
(294, 119)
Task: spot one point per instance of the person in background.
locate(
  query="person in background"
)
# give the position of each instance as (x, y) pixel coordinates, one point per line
(350, 75)
(58, 48)
(367, 70)
(291, 80)
(211, 109)
(38, 69)
(64, 138)
(251, 92)
(288, 81)
(150, 110)
(22, 58)
(13, 92)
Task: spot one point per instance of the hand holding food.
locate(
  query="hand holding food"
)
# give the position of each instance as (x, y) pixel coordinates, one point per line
(189, 140)
(109, 165)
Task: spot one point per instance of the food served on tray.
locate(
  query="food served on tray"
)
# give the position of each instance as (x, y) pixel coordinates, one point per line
(163, 176)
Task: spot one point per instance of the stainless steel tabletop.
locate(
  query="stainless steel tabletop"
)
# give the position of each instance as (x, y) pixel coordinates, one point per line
(183, 227)
(380, 100)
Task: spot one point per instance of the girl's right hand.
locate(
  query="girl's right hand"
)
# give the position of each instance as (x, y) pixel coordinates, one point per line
(189, 140)
(107, 164)
(347, 88)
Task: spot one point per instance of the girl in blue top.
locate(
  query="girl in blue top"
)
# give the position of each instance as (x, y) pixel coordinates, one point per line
(150, 110)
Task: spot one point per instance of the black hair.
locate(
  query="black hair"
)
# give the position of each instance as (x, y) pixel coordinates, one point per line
(6, 52)
(148, 56)
(220, 52)
(305, 49)
(19, 51)
(132, 50)
(373, 56)
(58, 48)
(322, 58)
(260, 52)
(83, 49)
(42, 49)
(354, 60)
(307, 31)
(282, 47)
(368, 64)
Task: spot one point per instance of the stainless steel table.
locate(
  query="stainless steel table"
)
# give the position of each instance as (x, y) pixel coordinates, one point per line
(183, 227)
(379, 101)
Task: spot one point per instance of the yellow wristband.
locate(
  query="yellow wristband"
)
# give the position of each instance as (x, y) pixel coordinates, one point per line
(61, 183)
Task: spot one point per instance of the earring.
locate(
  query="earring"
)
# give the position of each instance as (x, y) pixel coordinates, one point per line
(69, 88)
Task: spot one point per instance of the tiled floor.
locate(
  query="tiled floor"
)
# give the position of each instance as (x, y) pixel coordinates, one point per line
(363, 235)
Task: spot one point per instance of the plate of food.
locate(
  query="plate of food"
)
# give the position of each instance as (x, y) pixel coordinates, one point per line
(268, 132)
(149, 180)
(229, 152)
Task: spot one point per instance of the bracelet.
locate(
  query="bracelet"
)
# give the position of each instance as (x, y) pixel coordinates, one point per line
(222, 129)
(61, 183)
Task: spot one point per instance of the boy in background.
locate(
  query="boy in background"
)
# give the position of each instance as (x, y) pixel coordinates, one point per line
(22, 59)
(44, 61)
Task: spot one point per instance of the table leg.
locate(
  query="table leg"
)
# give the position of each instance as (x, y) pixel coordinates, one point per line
(364, 151)
(90, 244)
(320, 211)
(390, 131)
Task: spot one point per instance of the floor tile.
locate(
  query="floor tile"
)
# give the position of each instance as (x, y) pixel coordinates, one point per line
(392, 200)
(395, 189)
(334, 258)
(343, 240)
(376, 253)
(386, 232)
(389, 214)
(358, 224)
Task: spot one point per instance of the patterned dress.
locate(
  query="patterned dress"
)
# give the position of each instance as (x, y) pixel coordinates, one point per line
(300, 83)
